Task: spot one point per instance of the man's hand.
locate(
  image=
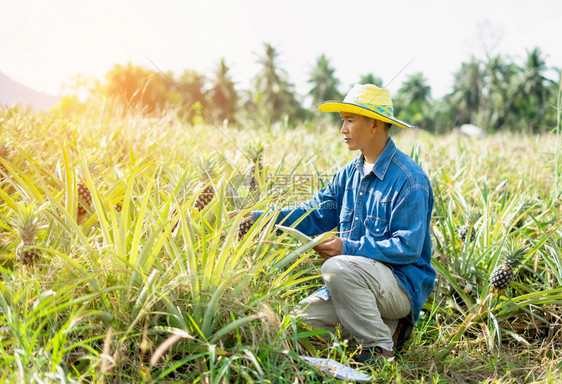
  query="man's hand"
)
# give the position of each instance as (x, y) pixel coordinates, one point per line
(330, 247)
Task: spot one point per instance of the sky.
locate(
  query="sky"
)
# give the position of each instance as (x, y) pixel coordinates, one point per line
(43, 44)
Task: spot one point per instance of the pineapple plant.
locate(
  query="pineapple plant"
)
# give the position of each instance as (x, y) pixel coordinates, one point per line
(4, 155)
(503, 275)
(464, 231)
(525, 205)
(205, 166)
(27, 226)
(254, 150)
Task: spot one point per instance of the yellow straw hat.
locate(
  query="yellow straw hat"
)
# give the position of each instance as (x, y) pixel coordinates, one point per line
(367, 100)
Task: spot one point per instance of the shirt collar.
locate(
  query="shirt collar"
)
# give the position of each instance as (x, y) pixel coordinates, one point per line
(383, 162)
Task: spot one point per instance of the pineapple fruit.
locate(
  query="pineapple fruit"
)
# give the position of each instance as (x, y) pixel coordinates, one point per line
(27, 225)
(245, 226)
(254, 151)
(503, 275)
(205, 166)
(471, 218)
(85, 198)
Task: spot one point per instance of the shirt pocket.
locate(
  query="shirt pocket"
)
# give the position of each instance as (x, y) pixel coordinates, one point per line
(376, 227)
(346, 220)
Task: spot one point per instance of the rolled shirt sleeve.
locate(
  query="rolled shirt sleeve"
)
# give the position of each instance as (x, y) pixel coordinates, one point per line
(317, 215)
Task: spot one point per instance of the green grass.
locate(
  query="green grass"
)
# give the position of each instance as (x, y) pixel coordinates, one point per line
(148, 289)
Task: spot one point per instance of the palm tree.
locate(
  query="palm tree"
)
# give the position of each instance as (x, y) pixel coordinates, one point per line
(533, 80)
(324, 82)
(414, 101)
(192, 84)
(467, 92)
(415, 90)
(191, 97)
(223, 95)
(274, 96)
(136, 88)
(530, 92)
(498, 75)
(369, 78)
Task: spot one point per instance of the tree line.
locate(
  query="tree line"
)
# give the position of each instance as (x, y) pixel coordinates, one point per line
(493, 93)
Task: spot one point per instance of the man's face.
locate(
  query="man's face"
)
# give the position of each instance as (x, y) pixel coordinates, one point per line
(358, 131)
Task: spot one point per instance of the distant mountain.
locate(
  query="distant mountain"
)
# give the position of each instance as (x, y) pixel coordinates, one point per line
(12, 92)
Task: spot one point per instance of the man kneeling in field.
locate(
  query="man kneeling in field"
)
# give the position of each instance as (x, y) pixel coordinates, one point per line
(377, 271)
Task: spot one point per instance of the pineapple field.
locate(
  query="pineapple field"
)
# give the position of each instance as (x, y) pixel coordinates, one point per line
(119, 262)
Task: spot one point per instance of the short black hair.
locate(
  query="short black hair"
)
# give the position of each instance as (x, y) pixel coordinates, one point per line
(386, 125)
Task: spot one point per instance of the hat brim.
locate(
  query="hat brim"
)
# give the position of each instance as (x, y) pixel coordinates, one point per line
(340, 106)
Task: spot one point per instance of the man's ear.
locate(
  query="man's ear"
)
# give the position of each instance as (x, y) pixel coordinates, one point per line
(376, 124)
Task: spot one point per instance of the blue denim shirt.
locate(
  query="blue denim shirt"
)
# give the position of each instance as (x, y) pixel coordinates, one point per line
(384, 215)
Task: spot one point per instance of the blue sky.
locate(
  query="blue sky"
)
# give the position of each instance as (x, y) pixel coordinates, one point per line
(44, 43)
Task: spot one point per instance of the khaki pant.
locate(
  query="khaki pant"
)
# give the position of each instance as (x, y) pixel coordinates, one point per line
(365, 299)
